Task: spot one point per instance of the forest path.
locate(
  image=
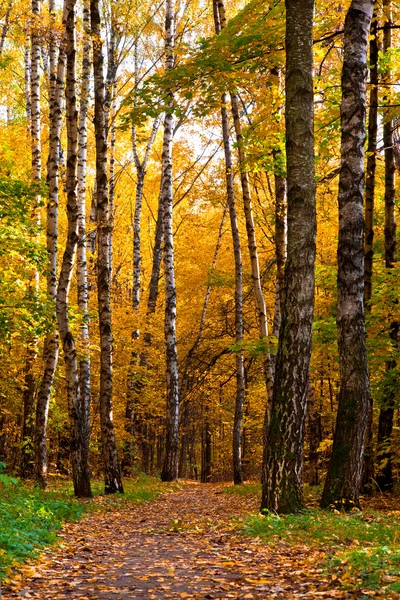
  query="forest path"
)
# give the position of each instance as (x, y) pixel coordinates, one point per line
(183, 545)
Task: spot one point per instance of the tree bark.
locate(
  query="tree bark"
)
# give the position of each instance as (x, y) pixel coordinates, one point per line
(343, 479)
(81, 265)
(112, 472)
(368, 466)
(283, 451)
(50, 350)
(157, 258)
(33, 109)
(171, 461)
(79, 442)
(219, 20)
(384, 476)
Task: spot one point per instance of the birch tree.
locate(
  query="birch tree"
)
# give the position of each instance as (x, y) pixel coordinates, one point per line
(79, 441)
(343, 479)
(112, 472)
(283, 452)
(50, 350)
(81, 265)
(33, 112)
(170, 467)
(219, 21)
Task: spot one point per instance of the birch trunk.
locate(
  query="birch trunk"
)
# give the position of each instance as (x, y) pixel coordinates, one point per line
(135, 379)
(219, 21)
(157, 257)
(27, 84)
(368, 466)
(5, 28)
(33, 107)
(250, 229)
(141, 167)
(252, 242)
(283, 450)
(112, 472)
(170, 467)
(50, 351)
(81, 264)
(79, 442)
(384, 476)
(343, 479)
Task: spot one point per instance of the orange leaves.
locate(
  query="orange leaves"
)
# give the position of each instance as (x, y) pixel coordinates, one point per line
(134, 553)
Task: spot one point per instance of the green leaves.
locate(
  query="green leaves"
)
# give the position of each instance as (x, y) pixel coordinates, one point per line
(258, 347)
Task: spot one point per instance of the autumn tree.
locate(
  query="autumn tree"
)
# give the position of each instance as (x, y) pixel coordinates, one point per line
(112, 473)
(343, 479)
(283, 453)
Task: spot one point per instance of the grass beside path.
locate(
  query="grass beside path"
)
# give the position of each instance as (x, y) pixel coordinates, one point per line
(30, 517)
(362, 547)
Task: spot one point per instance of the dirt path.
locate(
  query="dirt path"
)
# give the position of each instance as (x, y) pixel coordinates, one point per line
(181, 546)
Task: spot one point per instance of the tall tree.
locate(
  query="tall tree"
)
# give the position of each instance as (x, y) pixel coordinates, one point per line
(219, 20)
(283, 452)
(384, 476)
(171, 464)
(50, 350)
(81, 262)
(368, 468)
(343, 479)
(33, 110)
(79, 440)
(112, 472)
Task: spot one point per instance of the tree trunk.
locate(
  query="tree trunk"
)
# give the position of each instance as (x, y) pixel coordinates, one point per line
(283, 451)
(280, 241)
(79, 446)
(368, 466)
(384, 476)
(170, 468)
(50, 350)
(314, 436)
(33, 108)
(157, 257)
(252, 242)
(81, 265)
(343, 479)
(240, 383)
(112, 473)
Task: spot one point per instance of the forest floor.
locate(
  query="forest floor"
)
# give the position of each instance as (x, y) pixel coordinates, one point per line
(188, 543)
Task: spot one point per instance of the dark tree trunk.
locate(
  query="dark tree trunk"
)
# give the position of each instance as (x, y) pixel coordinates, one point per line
(206, 453)
(314, 436)
(368, 466)
(384, 476)
(112, 472)
(283, 450)
(343, 480)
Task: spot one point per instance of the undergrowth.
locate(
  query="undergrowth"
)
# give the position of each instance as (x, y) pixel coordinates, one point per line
(30, 517)
(362, 548)
(247, 489)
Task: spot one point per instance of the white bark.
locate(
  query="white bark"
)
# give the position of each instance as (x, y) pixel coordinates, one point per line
(170, 467)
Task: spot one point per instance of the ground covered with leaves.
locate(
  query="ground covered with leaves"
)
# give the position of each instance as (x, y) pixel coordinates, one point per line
(207, 541)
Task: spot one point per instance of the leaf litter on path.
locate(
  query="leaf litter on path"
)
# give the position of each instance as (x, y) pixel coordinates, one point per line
(183, 545)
